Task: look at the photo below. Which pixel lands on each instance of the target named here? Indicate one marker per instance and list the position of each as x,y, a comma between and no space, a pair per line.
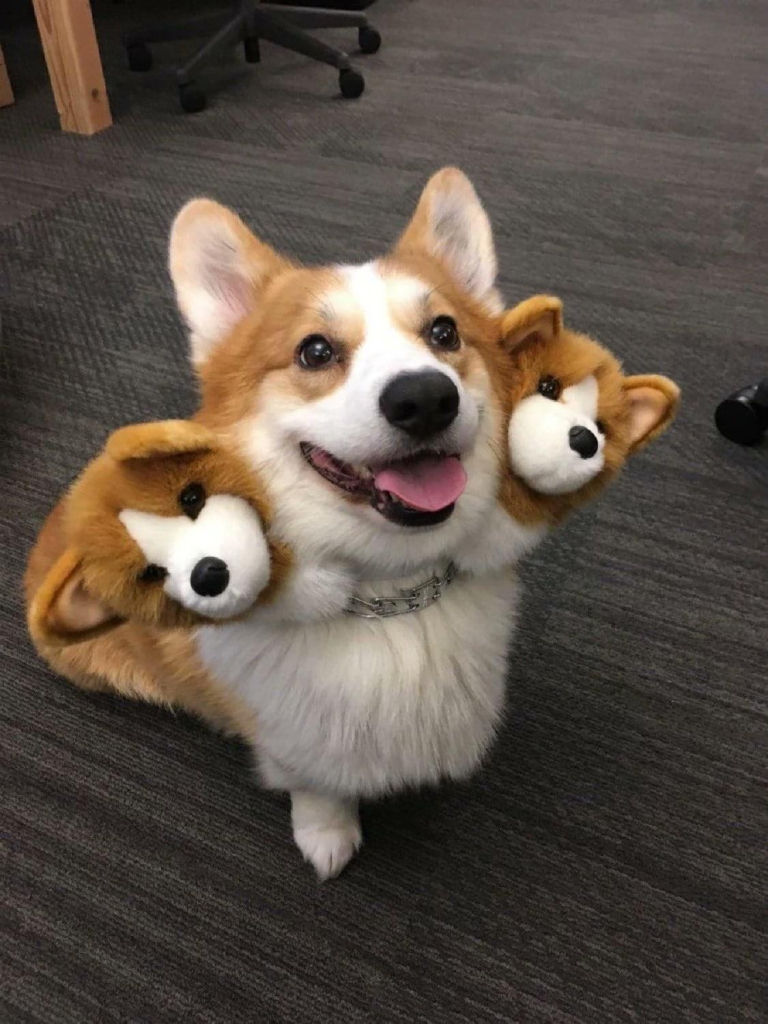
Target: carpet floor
609,863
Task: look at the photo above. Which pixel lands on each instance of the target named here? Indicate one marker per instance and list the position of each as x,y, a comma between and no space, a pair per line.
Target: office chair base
248,24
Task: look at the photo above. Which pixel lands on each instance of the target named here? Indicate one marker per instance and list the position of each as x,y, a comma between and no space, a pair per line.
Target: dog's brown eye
314,352
192,500
444,334
600,426
550,388
152,573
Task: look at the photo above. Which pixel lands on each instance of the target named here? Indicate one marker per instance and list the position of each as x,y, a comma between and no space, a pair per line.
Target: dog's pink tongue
426,484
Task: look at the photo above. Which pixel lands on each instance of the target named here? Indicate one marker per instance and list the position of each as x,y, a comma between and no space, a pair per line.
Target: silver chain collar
407,601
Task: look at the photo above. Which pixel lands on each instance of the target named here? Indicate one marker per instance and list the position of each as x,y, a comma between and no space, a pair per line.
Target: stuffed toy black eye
314,352
550,387
444,334
192,500
600,426
152,573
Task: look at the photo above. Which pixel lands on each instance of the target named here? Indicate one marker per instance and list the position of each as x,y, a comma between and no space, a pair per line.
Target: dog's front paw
326,831
329,850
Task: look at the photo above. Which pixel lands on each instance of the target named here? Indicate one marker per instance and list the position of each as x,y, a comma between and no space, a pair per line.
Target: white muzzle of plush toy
556,446
216,564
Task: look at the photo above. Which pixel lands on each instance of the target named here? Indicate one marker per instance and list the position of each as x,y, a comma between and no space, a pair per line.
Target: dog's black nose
421,404
210,577
583,441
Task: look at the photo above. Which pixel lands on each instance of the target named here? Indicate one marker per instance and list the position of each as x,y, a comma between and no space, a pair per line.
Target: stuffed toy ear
539,318
166,437
62,611
653,402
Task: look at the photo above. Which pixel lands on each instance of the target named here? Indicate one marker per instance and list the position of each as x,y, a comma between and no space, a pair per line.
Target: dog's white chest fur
360,707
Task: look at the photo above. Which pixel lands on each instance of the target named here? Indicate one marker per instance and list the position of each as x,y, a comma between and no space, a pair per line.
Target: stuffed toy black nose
582,441
210,577
421,404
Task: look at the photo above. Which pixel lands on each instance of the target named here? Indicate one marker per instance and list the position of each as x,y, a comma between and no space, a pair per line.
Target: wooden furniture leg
6,92
74,64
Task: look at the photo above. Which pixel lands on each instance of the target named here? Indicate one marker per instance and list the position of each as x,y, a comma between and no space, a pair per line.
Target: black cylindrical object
743,417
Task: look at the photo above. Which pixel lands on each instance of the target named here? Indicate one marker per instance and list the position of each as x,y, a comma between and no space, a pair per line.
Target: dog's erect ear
219,268
539,318
653,402
164,438
451,225
62,611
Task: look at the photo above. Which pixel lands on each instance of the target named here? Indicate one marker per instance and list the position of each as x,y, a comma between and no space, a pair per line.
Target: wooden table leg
74,64
6,92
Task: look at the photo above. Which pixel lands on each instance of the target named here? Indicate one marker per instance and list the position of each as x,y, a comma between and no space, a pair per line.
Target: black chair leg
318,17
233,32
275,30
251,41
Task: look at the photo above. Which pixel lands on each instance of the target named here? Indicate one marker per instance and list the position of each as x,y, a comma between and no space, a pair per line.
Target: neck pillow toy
572,420
574,417
165,528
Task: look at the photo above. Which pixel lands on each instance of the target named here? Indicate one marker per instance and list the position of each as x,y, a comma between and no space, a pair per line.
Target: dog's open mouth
419,491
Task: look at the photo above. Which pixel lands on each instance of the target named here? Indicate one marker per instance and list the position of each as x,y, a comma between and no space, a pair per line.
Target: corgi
362,397
371,400
573,419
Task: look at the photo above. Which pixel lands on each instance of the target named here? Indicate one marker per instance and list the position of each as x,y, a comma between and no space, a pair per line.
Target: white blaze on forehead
384,342
369,294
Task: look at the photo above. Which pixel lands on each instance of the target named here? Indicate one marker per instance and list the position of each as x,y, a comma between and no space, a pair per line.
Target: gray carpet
609,864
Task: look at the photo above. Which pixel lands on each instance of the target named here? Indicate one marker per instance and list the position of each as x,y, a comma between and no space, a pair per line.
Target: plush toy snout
556,446
216,564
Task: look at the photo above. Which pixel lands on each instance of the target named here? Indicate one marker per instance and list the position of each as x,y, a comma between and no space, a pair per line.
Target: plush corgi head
165,527
360,390
574,417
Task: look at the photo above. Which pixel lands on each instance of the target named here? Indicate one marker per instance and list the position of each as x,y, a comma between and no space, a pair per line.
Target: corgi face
362,388
164,527
574,417
382,399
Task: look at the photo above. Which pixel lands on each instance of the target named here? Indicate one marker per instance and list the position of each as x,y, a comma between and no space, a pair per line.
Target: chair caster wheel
139,57
252,51
192,98
351,83
368,39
